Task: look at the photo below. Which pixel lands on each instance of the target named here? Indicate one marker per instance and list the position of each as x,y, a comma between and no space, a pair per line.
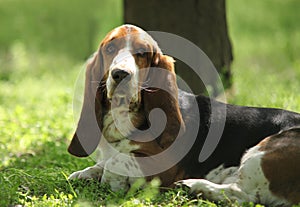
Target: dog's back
244,128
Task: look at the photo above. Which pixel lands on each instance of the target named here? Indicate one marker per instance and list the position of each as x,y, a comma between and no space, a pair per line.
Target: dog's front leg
93,172
120,172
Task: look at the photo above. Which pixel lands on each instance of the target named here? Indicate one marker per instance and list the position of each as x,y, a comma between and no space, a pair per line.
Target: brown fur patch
281,164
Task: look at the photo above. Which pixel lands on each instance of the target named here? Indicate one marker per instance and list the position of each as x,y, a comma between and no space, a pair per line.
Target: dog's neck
119,122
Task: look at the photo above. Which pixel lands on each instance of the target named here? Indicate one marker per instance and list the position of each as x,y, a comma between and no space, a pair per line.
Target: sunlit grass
266,66
37,76
35,102
58,26
36,120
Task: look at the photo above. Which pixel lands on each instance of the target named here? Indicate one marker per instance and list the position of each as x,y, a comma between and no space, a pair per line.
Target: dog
126,80
268,174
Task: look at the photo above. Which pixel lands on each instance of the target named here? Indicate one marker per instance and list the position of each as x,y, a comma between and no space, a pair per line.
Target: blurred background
45,37
44,44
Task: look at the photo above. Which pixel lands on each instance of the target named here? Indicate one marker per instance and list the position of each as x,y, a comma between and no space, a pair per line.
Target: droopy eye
110,48
141,52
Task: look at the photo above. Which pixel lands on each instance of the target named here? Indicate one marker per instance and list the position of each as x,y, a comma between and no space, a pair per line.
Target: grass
267,65
37,75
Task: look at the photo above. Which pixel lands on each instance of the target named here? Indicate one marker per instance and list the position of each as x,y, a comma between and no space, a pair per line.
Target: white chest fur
117,128
117,124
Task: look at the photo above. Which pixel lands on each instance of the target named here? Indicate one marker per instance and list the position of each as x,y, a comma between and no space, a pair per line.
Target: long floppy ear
164,97
87,135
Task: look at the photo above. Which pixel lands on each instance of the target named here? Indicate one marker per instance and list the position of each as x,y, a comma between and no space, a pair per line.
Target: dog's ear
163,94
87,135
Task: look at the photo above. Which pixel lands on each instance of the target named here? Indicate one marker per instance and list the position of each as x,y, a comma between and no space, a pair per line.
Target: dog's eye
110,49
141,52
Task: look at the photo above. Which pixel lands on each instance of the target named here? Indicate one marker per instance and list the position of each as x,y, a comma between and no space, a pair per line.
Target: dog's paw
196,186
188,182
94,172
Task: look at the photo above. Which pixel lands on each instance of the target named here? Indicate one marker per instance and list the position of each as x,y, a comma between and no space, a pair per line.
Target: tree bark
201,21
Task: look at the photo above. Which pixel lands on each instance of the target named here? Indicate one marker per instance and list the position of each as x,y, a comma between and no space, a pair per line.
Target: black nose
118,75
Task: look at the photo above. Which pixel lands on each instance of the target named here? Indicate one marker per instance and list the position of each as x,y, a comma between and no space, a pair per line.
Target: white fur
93,172
114,168
244,184
120,172
124,60
117,124
222,175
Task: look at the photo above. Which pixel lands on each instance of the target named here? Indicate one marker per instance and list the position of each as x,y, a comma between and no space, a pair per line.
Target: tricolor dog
120,95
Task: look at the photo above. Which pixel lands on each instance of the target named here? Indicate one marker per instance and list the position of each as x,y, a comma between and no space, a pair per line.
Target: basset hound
128,79
268,174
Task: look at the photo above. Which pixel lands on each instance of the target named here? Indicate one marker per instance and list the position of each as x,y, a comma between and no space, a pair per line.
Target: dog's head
121,74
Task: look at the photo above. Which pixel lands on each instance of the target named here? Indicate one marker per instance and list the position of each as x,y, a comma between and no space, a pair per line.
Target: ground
39,67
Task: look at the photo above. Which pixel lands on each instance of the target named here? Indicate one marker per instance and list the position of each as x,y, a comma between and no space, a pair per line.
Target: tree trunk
203,22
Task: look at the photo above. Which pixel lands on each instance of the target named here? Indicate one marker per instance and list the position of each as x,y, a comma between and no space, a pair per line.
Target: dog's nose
118,75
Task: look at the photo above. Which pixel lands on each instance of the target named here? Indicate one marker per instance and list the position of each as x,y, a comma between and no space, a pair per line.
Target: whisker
144,82
102,83
149,89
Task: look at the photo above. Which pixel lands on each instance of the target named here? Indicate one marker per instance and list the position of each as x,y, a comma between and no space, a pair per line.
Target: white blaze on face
124,60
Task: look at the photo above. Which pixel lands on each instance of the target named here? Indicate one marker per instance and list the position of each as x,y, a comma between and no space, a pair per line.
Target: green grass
58,26
265,38
43,47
